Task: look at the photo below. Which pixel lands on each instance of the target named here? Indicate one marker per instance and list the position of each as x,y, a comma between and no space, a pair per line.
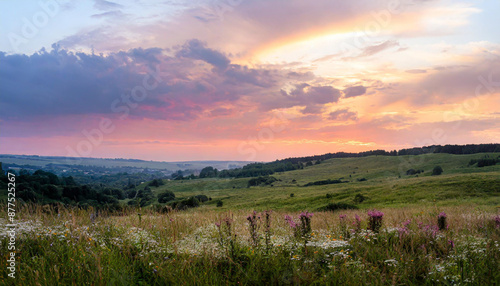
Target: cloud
195,81
343,115
195,49
375,49
354,91
416,71
104,5
302,94
115,13
220,111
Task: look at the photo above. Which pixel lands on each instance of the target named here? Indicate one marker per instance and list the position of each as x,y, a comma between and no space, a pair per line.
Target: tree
166,196
156,183
437,171
208,172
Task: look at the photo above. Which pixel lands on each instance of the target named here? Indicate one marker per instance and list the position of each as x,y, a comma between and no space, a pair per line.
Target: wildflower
342,216
451,243
497,221
442,221
290,221
406,223
375,220
357,223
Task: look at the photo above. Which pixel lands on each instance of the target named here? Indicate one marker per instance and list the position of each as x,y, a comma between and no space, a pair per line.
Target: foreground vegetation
205,247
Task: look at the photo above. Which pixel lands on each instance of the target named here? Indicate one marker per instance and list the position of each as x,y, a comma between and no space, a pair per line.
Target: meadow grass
386,185
214,247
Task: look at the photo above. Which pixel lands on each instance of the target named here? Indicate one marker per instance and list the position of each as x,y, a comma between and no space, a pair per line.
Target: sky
253,80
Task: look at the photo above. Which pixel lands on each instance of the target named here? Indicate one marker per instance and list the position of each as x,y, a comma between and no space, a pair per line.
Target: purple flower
450,242
402,231
497,221
442,214
217,224
375,220
375,214
406,223
290,221
357,218
306,214
342,216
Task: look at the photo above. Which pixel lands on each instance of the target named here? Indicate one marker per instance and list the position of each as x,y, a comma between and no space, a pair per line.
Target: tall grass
76,247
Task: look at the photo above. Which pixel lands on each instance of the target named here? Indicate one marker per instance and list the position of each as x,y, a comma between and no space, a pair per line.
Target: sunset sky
246,80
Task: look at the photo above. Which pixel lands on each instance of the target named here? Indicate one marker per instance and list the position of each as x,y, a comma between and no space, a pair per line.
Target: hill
381,180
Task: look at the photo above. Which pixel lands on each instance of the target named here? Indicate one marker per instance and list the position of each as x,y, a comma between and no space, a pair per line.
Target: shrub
166,196
201,198
219,203
265,180
292,195
413,172
190,202
437,171
323,182
359,198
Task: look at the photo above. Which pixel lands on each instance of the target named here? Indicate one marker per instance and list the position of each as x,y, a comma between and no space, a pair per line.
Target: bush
484,162
201,198
219,203
338,206
190,202
323,182
131,194
413,172
265,180
292,195
437,171
165,197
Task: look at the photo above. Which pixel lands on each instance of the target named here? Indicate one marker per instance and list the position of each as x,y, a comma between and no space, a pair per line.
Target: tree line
295,163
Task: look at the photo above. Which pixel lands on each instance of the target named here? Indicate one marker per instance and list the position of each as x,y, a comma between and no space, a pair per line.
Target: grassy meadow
225,248
386,185
428,230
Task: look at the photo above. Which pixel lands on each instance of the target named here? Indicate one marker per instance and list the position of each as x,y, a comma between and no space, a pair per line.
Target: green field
386,185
